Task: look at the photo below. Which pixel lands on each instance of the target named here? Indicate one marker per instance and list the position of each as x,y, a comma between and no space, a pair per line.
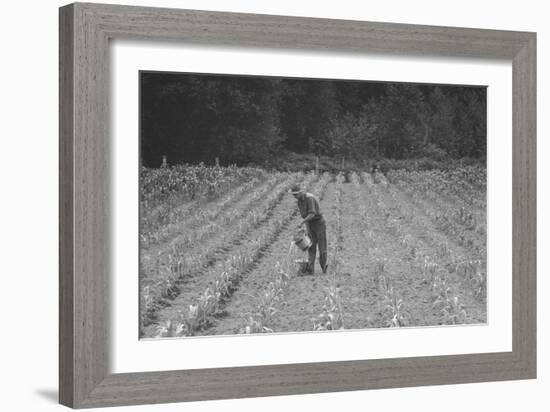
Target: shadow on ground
51,395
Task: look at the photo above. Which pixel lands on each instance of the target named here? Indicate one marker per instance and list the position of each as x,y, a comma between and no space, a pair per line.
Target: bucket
302,240
302,265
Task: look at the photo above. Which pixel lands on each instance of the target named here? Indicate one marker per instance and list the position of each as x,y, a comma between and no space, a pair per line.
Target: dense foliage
192,118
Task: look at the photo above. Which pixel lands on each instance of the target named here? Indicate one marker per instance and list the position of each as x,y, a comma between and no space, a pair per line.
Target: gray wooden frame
85,30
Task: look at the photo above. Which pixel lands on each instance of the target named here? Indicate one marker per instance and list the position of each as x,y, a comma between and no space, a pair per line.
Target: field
406,248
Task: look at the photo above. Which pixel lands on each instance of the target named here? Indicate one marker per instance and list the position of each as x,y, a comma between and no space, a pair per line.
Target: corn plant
170,329
443,251
440,288
394,307
266,305
338,211
207,304
146,299
255,325
473,272
332,317
466,218
455,312
452,310
407,243
379,270
273,294
479,283
191,320
429,271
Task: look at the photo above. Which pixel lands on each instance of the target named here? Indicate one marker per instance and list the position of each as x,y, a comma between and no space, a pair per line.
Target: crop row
187,182
166,220
392,307
258,320
467,227
332,315
209,221
197,316
181,263
434,275
454,186
265,307
184,189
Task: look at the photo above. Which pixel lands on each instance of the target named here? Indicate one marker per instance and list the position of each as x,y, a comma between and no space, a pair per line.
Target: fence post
316,165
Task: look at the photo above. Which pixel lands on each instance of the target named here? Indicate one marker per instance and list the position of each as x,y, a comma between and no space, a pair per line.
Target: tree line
250,119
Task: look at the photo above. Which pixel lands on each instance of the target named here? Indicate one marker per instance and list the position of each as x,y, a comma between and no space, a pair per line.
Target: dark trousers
318,233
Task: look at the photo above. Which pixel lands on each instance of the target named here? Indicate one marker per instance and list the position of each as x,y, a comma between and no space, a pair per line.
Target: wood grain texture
524,204
85,31
66,229
238,29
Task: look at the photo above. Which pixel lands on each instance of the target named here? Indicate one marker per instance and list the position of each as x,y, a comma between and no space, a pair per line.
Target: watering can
302,240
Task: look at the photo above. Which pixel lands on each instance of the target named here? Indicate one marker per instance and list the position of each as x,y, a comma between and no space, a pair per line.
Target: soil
381,225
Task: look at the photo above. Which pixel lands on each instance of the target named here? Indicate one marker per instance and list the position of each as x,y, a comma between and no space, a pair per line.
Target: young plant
453,311
379,270
171,329
429,271
473,272
394,308
255,325
332,317
451,308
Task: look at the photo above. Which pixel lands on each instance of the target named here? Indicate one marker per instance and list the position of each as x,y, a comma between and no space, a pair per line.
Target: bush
305,162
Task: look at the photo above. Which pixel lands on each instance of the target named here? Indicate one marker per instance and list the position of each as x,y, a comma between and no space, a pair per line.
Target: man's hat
295,189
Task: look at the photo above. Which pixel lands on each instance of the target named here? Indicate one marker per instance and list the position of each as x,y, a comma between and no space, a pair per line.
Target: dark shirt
310,204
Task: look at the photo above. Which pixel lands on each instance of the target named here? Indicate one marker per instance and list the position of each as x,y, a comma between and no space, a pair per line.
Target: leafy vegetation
259,120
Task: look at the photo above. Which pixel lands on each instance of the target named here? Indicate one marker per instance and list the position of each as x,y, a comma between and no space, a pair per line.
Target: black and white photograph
273,205
276,206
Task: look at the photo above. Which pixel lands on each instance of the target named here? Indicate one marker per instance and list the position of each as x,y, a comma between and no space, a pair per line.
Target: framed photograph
256,205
